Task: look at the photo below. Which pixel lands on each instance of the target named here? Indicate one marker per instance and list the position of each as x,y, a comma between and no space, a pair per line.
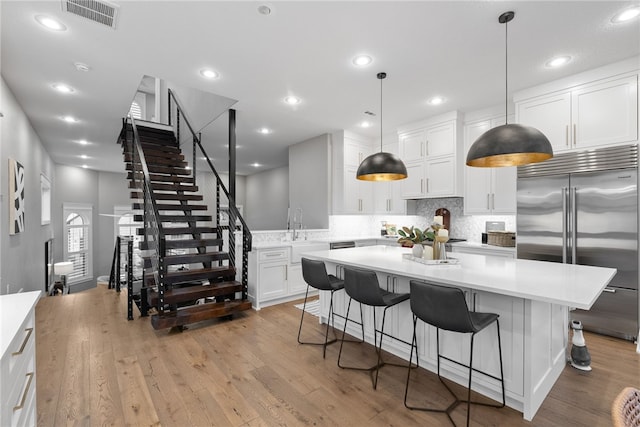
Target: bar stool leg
326,334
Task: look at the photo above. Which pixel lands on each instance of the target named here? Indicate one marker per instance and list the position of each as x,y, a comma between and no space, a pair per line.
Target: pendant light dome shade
381,166
509,145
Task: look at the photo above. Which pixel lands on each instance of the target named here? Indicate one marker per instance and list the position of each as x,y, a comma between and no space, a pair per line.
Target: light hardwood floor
96,368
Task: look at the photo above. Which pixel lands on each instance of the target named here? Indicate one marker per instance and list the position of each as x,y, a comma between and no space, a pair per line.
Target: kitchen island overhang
532,297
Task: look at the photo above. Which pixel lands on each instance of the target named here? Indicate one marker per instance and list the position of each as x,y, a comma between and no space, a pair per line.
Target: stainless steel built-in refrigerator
582,208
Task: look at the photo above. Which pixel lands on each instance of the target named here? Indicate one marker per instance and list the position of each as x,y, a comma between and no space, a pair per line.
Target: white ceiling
447,48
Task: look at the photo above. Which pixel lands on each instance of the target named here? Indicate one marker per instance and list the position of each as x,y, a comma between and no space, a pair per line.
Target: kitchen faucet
297,219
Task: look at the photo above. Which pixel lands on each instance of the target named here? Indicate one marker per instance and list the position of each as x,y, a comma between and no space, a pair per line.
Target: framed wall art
16,197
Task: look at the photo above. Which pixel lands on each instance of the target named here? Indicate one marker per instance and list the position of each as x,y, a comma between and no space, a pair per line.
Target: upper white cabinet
431,151
487,190
387,196
593,109
350,195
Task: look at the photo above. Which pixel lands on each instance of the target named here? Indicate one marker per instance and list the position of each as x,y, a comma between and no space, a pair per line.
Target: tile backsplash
468,227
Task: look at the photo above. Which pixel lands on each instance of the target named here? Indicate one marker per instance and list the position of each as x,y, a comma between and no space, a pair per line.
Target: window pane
79,266
74,219
76,239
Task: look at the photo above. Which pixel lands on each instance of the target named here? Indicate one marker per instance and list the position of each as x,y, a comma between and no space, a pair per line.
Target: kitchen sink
299,247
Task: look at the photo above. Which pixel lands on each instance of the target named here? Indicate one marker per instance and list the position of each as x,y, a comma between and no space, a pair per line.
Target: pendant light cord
506,74
381,114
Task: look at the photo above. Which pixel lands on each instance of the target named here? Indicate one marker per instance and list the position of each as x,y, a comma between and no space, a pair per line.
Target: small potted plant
410,237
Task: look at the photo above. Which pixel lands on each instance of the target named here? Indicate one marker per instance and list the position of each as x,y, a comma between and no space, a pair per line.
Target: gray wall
102,190
113,189
267,199
22,255
309,179
75,185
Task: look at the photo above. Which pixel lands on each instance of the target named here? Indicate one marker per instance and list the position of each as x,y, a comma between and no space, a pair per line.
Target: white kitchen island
531,297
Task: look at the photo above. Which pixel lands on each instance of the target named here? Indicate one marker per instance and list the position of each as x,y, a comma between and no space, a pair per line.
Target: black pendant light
381,166
509,144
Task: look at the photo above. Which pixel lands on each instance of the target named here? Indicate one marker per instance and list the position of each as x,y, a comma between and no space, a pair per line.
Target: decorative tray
448,261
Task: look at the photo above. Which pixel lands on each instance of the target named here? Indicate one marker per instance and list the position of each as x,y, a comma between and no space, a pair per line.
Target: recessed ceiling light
84,166
263,9
626,14
209,73
362,60
50,23
83,142
365,124
265,131
81,67
256,165
292,100
84,156
558,61
69,119
436,100
63,88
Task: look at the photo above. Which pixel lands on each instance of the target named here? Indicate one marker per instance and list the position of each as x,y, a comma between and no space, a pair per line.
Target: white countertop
13,310
565,284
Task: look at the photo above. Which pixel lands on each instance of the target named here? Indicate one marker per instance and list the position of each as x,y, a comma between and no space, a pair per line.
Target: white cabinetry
487,190
350,195
387,194
275,273
18,362
599,112
431,151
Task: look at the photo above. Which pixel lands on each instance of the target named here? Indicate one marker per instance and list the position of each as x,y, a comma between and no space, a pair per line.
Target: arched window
78,245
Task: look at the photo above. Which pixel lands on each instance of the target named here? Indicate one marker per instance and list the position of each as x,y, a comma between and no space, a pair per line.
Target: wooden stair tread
169,196
197,313
182,276
162,169
183,230
192,243
172,207
192,293
153,177
153,153
194,258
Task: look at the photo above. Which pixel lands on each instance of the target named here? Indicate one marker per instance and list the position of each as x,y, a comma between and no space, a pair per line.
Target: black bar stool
315,274
363,286
446,308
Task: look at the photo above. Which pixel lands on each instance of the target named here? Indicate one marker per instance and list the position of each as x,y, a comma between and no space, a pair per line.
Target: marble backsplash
468,227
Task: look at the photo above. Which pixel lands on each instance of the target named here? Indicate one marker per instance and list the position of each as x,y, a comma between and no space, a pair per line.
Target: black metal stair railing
154,238
234,214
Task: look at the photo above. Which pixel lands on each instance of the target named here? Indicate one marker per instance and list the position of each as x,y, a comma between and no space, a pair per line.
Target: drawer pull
24,343
25,394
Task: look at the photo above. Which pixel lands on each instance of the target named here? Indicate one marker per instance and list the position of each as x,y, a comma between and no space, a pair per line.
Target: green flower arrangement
414,236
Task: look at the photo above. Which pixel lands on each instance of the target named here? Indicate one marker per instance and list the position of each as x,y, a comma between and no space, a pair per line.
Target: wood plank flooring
96,368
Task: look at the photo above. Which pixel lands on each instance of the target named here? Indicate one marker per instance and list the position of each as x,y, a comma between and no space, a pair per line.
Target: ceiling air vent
102,12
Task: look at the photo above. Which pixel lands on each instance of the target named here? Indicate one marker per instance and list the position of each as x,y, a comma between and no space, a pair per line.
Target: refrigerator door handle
574,227
564,224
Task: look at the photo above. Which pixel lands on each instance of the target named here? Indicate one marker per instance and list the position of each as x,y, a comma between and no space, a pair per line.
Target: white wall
267,199
22,255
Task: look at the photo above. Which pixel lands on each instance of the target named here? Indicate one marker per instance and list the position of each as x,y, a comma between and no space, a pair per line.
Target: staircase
187,275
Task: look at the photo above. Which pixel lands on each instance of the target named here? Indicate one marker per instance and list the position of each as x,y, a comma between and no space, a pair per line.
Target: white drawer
21,399
21,348
274,254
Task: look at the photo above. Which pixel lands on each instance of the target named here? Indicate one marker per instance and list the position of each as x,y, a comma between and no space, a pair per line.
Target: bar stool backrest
441,306
315,274
363,286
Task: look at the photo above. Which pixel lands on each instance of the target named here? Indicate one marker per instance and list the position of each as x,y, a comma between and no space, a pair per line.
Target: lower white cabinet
18,363
273,278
